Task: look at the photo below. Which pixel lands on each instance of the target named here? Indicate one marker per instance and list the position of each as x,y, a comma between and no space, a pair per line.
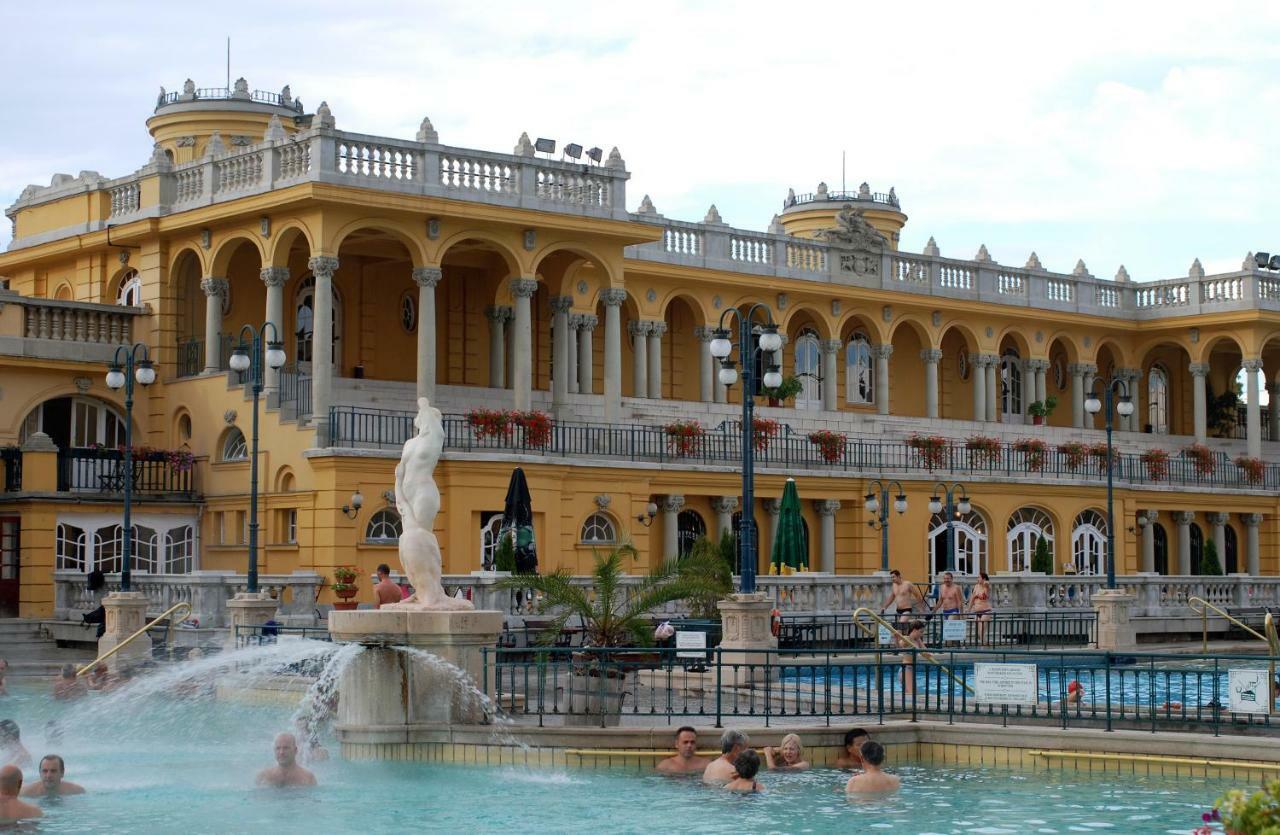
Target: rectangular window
292,527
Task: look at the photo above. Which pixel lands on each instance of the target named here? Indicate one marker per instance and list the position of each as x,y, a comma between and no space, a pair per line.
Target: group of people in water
736,768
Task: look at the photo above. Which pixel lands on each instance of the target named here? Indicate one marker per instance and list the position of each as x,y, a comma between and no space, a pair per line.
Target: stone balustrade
206,591
64,330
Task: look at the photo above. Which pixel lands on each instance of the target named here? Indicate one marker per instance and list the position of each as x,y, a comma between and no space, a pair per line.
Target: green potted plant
344,588
1041,409
1209,564
1041,562
787,389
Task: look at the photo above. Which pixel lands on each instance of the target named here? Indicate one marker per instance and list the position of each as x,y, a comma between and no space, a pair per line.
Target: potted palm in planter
1041,409
612,617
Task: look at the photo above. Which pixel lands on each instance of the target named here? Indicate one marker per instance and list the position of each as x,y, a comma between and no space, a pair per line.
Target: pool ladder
925,654
184,608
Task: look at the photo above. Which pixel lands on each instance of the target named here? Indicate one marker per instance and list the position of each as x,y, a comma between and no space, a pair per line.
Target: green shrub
1209,564
1041,560
504,559
729,551
705,565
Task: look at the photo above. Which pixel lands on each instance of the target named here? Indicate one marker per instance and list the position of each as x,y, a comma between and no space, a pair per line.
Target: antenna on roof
842,188
228,62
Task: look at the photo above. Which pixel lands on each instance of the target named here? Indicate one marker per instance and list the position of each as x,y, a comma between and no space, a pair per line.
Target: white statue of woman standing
418,502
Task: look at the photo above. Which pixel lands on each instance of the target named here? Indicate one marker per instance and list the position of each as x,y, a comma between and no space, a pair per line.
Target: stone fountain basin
406,627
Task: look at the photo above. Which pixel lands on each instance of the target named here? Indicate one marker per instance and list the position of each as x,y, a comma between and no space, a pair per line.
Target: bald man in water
286,772
11,808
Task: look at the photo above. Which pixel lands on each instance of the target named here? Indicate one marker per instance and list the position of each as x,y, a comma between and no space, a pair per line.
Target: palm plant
612,614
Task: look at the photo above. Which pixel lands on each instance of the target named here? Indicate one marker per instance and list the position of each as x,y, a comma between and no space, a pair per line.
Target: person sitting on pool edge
11,808
789,756
851,756
745,767
286,771
686,759
872,779
721,770
52,769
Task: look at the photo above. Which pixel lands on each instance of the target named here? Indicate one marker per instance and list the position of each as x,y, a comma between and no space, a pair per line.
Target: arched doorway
1158,400
970,545
1230,559
75,422
1161,548
1089,543
304,323
808,368
1027,526
1197,546
1011,401
690,527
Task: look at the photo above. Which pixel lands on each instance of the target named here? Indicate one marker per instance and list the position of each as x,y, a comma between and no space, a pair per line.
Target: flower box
1073,454
1202,459
1252,468
763,431
983,450
831,445
497,424
1034,451
1098,452
536,426
1157,463
685,437
932,449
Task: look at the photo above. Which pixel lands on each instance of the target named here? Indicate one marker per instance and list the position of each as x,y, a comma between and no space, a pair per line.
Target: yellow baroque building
399,268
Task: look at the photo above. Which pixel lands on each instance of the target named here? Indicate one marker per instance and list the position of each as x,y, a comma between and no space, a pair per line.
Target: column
322,267
656,330
427,278
497,316
1184,520
1077,394
1130,377
1219,522
774,508
671,507
1273,411
214,291
827,516
1149,541
613,298
1253,408
575,321
1252,561
830,352
586,330
707,364
1042,389
274,278
931,357
1199,370
560,353
993,390
522,290
639,357
978,375
724,506
882,354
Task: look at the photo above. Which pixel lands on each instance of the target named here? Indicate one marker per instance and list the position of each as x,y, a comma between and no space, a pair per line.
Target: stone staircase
31,650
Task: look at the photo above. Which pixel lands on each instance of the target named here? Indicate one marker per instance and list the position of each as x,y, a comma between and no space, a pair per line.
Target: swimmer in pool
745,768
873,779
286,772
851,756
11,808
789,756
686,759
52,769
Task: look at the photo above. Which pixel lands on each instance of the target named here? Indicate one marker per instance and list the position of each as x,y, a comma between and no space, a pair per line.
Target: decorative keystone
983,256
215,145
646,207
615,160
427,132
931,247
1033,263
713,216
275,130
324,116
524,147
1081,270
1122,275
1196,271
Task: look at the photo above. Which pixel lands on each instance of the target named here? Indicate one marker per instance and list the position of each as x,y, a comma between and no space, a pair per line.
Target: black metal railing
270,633
259,96
190,357
12,458
1137,691
354,426
295,392
104,471
888,198
993,631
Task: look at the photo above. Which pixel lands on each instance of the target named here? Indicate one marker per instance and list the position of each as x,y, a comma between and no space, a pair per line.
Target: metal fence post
719,665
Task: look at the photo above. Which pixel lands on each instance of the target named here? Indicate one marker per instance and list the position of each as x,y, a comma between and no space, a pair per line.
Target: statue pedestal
1115,630
746,636
384,691
248,609
126,614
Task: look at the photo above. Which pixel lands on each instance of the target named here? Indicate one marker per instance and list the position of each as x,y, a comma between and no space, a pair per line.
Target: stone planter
595,698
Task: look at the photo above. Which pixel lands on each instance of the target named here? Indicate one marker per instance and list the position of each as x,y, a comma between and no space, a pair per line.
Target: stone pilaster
613,299
882,354
1253,407
560,306
1199,371
639,331
522,290
826,509
830,372
1252,554
427,278
1184,520
274,278
671,507
586,328
215,290
322,268
656,330
706,364
930,357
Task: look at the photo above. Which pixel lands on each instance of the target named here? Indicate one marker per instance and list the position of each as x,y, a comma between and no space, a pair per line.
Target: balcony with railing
103,471
54,329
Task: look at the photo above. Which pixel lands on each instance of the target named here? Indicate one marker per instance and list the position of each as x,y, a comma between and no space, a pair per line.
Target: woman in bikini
980,605
913,639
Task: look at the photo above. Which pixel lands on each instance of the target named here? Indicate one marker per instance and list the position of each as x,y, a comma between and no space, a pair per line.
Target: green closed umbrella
789,553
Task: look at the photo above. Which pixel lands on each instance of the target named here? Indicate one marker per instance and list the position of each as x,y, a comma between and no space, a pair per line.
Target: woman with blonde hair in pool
789,756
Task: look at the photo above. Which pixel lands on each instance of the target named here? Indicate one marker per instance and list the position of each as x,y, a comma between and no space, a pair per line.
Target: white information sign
696,642
1004,684
955,630
1247,691
886,636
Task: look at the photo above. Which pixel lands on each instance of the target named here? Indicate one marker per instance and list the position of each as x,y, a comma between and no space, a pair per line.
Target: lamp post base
248,609
747,636
126,614
1115,629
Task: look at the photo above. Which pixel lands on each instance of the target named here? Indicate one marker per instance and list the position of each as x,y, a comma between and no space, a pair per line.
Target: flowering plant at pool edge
1212,816
1242,813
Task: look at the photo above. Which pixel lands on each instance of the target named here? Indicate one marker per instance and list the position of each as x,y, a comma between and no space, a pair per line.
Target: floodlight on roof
573,150
1261,259
595,154
545,146
1274,263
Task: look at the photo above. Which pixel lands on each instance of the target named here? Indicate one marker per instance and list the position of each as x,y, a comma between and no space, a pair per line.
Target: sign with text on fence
885,636
1004,684
1248,691
955,630
691,644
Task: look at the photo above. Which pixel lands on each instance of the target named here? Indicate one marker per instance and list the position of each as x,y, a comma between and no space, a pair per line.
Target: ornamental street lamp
751,347
121,373
1124,408
249,356
877,504
953,507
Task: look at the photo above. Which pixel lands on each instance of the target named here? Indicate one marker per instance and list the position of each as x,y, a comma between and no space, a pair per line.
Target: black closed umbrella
517,522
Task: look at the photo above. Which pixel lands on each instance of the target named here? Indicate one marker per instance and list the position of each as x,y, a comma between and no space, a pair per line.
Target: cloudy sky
1134,133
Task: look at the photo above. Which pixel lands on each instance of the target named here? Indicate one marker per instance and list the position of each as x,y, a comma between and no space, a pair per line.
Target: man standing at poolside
286,772
950,596
904,596
686,760
722,769
51,784
872,779
11,808
385,591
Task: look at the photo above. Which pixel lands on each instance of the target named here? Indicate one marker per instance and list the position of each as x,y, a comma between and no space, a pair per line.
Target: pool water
162,763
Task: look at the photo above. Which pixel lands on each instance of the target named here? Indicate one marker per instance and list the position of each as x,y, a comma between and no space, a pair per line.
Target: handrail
1153,758
1203,611
925,654
95,662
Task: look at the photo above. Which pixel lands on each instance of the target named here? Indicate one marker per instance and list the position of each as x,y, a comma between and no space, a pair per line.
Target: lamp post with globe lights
945,499
751,346
250,356
877,504
1093,404
130,363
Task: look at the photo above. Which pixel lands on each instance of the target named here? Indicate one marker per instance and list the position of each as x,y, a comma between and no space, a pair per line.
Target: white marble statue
418,502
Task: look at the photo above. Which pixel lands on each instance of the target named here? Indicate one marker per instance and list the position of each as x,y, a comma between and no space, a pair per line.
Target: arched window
75,422
233,446
859,370
690,527
384,526
490,524
1011,386
408,312
108,549
970,543
1027,526
129,293
598,529
1231,559
1158,400
180,550
70,547
1197,547
1089,543
304,321
808,369
184,429
1161,548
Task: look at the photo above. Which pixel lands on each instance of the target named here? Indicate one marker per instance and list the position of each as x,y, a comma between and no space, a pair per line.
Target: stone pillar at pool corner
126,613
746,637
1115,628
248,609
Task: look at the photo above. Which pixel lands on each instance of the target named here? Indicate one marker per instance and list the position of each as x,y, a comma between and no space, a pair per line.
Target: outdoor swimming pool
160,763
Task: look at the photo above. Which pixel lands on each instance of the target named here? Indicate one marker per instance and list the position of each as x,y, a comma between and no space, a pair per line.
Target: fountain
417,652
